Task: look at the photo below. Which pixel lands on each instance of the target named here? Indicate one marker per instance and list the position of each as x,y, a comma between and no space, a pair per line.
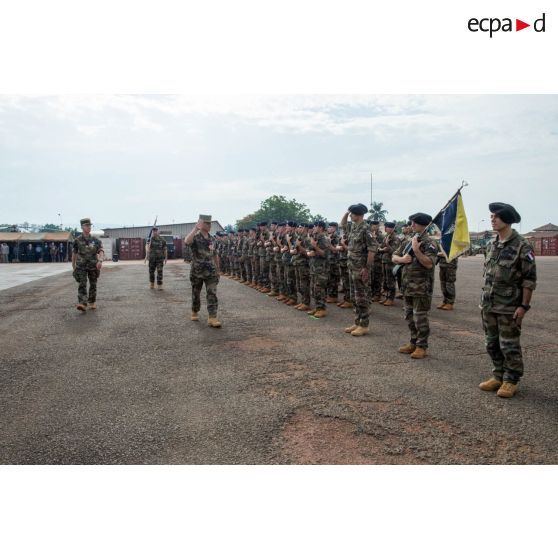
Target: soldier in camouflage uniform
404,239
289,278
388,246
510,276
87,260
264,262
342,249
419,261
333,263
361,250
270,259
376,273
204,269
320,247
300,262
448,276
156,254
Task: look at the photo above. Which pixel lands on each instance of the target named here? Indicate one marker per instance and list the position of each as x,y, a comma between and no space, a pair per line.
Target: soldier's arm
372,247
190,237
427,258
343,222
74,254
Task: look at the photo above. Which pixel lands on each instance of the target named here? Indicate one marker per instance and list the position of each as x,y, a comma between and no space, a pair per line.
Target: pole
371,198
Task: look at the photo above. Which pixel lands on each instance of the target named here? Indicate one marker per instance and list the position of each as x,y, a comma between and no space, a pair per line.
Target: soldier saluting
87,259
510,277
204,269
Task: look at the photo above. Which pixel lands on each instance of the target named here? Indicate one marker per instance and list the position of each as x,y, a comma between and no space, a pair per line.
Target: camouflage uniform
301,266
390,244
360,243
86,248
509,268
417,284
319,270
203,270
344,273
448,276
157,255
264,262
289,278
334,271
376,273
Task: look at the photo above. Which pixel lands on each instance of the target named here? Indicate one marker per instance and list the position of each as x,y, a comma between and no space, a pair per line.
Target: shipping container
178,242
131,248
109,247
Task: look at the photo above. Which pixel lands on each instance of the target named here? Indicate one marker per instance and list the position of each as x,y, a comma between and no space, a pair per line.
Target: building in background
544,240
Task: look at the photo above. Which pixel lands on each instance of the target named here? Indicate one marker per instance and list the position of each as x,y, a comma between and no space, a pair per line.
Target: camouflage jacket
87,249
203,252
157,248
333,255
379,238
390,243
416,280
509,267
360,242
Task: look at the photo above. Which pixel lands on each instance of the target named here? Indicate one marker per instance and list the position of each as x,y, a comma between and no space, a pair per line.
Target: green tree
377,212
49,227
277,208
229,228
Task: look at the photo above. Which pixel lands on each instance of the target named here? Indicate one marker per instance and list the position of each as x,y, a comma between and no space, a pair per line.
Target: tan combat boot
195,317
419,352
272,293
81,307
160,287
311,312
441,306
407,349
320,313
151,285
291,302
388,302
350,329
212,321
376,298
360,331
490,385
92,306
507,390
280,298
448,306
331,300
303,307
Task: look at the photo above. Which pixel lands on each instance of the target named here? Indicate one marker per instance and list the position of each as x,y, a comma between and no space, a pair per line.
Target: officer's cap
505,211
205,218
389,225
421,218
85,221
333,224
358,209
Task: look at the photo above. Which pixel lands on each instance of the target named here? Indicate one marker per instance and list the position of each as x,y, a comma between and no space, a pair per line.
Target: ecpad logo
493,25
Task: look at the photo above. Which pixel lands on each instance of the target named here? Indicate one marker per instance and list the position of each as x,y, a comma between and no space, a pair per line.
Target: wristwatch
525,307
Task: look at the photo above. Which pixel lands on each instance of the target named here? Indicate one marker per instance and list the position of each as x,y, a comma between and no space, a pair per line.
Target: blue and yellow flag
452,222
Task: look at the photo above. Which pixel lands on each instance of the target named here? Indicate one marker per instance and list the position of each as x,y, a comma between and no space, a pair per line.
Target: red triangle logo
519,25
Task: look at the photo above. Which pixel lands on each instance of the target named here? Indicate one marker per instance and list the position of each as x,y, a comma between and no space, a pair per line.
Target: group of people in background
38,252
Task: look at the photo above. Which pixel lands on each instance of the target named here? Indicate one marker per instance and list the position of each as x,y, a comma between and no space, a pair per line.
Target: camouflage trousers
320,278
302,277
333,279
255,269
388,283
156,264
289,281
448,275
81,276
502,345
376,279
274,275
416,315
248,269
225,268
398,278
345,281
211,282
361,304
264,272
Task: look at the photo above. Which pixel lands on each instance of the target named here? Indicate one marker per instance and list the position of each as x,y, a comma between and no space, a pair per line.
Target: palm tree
377,213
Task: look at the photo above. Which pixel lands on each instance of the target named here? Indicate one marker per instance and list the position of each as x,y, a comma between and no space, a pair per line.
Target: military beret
274,222
506,212
205,218
333,224
373,222
358,209
281,224
262,224
409,223
305,225
292,224
85,221
253,229
389,225
310,226
421,218
154,228
320,224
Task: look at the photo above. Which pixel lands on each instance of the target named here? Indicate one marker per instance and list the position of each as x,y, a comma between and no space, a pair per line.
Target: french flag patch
531,256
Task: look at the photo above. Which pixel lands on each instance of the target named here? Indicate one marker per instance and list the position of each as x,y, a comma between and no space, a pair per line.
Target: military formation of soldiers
304,265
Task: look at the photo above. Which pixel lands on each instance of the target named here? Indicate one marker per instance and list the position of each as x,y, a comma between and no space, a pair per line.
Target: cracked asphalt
136,382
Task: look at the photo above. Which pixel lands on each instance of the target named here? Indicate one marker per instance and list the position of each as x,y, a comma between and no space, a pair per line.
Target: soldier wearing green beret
510,277
87,259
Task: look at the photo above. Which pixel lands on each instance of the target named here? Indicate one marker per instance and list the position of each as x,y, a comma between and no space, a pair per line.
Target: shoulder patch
530,256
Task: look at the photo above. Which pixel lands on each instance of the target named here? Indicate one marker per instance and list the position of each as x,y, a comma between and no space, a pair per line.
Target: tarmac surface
136,382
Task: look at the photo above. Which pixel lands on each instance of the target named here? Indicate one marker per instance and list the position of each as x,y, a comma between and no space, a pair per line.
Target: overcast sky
121,160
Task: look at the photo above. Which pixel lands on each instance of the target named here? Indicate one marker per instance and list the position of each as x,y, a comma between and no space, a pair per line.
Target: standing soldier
342,249
204,269
417,279
319,250
156,254
361,250
404,238
387,248
376,271
448,275
87,259
510,277
333,261
302,267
